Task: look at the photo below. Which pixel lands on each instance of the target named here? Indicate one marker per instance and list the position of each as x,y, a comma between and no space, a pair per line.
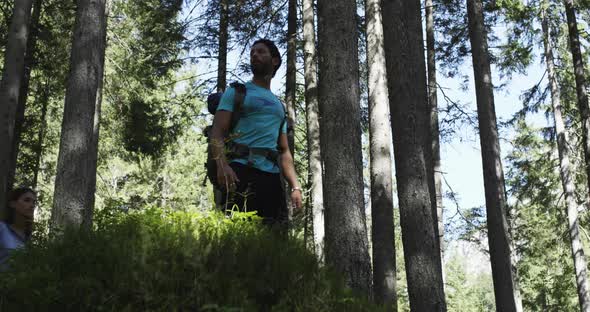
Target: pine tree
12,76
507,296
410,116
291,83
24,89
313,128
581,92
434,127
223,40
383,236
346,232
75,183
566,177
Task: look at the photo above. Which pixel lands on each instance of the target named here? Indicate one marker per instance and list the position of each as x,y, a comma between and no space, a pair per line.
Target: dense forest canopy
442,146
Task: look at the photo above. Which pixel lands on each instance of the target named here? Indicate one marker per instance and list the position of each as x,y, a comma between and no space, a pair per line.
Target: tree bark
566,177
75,181
222,71
12,76
383,235
24,89
313,129
223,38
291,84
434,128
581,81
410,116
40,136
291,87
505,290
346,231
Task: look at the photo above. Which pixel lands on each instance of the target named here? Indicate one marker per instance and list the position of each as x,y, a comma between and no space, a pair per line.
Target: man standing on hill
258,143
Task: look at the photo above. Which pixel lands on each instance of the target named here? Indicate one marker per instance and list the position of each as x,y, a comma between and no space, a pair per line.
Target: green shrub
158,260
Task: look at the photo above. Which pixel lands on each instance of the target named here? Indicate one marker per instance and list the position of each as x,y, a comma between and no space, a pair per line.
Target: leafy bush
159,260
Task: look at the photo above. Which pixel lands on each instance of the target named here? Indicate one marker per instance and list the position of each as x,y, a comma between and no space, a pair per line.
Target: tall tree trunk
75,181
24,89
222,71
383,236
434,129
291,84
313,129
581,81
346,231
566,178
44,102
291,87
410,123
505,289
223,38
12,76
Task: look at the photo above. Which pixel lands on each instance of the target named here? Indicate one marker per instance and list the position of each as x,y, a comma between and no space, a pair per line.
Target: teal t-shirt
258,126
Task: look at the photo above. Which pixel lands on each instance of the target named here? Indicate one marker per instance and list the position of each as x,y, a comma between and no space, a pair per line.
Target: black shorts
258,191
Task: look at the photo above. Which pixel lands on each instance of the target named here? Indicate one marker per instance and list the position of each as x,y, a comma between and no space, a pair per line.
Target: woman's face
25,205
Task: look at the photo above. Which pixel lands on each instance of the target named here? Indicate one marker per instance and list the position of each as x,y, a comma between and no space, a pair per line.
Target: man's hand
226,177
297,198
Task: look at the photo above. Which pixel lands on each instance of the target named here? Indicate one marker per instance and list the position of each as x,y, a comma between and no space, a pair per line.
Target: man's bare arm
288,169
221,123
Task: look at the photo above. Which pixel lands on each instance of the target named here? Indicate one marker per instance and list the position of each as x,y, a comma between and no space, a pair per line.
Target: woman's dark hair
274,52
14,195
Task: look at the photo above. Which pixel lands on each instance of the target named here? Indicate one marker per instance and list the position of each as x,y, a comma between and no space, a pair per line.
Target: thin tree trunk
346,231
223,38
291,87
24,89
434,128
40,136
406,76
581,81
566,178
75,181
222,71
383,235
291,84
505,289
12,76
313,129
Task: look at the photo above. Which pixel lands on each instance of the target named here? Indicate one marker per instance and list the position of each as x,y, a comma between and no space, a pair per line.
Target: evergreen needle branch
194,7
252,33
456,201
456,106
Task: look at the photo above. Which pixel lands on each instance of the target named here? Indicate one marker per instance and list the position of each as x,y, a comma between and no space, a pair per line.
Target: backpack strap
239,97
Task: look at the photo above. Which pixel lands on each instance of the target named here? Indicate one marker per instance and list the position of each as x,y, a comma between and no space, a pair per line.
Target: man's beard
261,70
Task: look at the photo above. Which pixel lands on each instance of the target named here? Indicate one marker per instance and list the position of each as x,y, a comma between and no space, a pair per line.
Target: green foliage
146,129
5,16
452,33
151,150
39,140
159,260
143,55
545,268
173,180
154,38
468,291
247,20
